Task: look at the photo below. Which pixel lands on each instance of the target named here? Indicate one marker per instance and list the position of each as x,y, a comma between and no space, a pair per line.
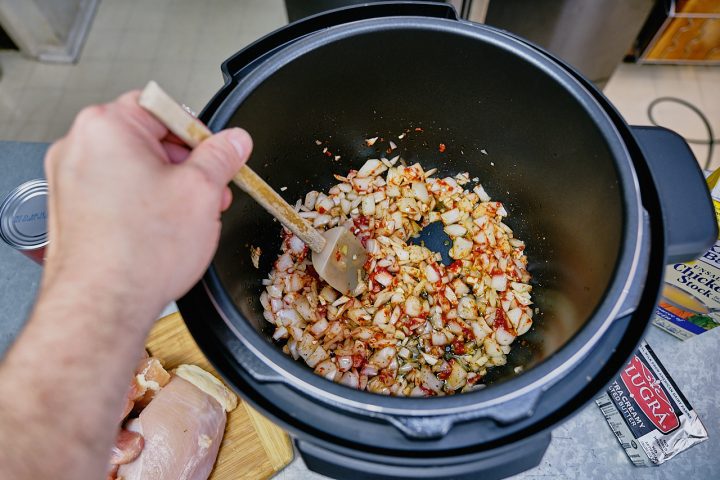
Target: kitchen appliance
600,205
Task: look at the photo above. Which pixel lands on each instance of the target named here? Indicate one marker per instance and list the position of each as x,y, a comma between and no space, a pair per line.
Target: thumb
222,155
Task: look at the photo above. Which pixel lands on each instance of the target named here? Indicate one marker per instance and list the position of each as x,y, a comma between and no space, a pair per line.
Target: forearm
68,374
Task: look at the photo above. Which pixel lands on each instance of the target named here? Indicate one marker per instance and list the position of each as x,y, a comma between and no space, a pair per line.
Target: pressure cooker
602,207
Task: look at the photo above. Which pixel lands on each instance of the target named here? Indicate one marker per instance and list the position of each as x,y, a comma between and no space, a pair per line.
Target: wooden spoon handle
192,131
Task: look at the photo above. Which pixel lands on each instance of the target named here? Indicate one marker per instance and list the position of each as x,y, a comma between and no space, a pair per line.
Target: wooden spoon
337,255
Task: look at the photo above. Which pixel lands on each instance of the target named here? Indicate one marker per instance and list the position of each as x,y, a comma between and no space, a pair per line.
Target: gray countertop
583,447
19,276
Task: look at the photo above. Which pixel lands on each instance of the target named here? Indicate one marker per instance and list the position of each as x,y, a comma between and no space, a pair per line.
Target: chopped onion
383,357
460,287
461,248
514,316
491,347
503,337
407,205
362,184
316,357
455,230
412,306
450,295
284,263
369,370
371,168
288,317
344,362
326,369
481,193
431,274
303,307
296,245
280,332
457,377
420,191
499,282
381,317
429,380
383,278
439,338
466,307
293,283
306,346
319,327
329,294
524,324
350,379
368,205
451,216
430,359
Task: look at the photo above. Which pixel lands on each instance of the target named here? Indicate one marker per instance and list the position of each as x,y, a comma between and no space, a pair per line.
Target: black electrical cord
711,140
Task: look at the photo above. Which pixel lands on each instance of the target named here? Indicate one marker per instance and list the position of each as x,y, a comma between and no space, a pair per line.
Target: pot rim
542,375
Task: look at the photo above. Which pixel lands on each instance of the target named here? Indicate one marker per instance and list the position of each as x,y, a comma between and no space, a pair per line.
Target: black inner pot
527,132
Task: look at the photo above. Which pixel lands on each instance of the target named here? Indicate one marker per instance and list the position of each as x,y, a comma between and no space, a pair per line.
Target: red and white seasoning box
23,219
650,416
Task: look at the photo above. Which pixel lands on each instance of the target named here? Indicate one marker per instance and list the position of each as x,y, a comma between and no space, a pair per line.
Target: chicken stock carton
690,302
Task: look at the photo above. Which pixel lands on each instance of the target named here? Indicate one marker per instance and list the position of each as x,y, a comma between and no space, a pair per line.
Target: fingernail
236,137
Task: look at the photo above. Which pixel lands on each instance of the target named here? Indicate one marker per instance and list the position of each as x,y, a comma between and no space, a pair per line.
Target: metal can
23,219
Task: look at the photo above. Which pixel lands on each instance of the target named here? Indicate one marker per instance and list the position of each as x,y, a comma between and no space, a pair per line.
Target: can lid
23,216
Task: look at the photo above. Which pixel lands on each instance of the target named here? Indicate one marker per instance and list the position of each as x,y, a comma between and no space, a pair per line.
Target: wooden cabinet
682,31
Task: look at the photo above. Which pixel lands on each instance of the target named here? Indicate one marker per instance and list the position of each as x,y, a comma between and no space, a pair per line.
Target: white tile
48,75
71,103
681,119
57,129
204,81
9,103
180,43
101,45
138,45
112,14
186,17
147,17
217,49
631,80
5,130
173,76
709,80
16,69
89,76
175,45
30,132
128,75
38,104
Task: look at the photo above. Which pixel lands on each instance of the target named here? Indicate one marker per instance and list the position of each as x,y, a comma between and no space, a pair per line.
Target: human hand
132,212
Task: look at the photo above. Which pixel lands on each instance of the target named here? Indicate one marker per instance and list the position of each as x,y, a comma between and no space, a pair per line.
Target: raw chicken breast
150,377
128,445
182,427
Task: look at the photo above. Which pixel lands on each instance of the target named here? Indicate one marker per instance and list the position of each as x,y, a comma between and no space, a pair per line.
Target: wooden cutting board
253,447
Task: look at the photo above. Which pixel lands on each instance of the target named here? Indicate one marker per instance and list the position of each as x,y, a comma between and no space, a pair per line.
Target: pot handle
495,464
253,53
688,213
